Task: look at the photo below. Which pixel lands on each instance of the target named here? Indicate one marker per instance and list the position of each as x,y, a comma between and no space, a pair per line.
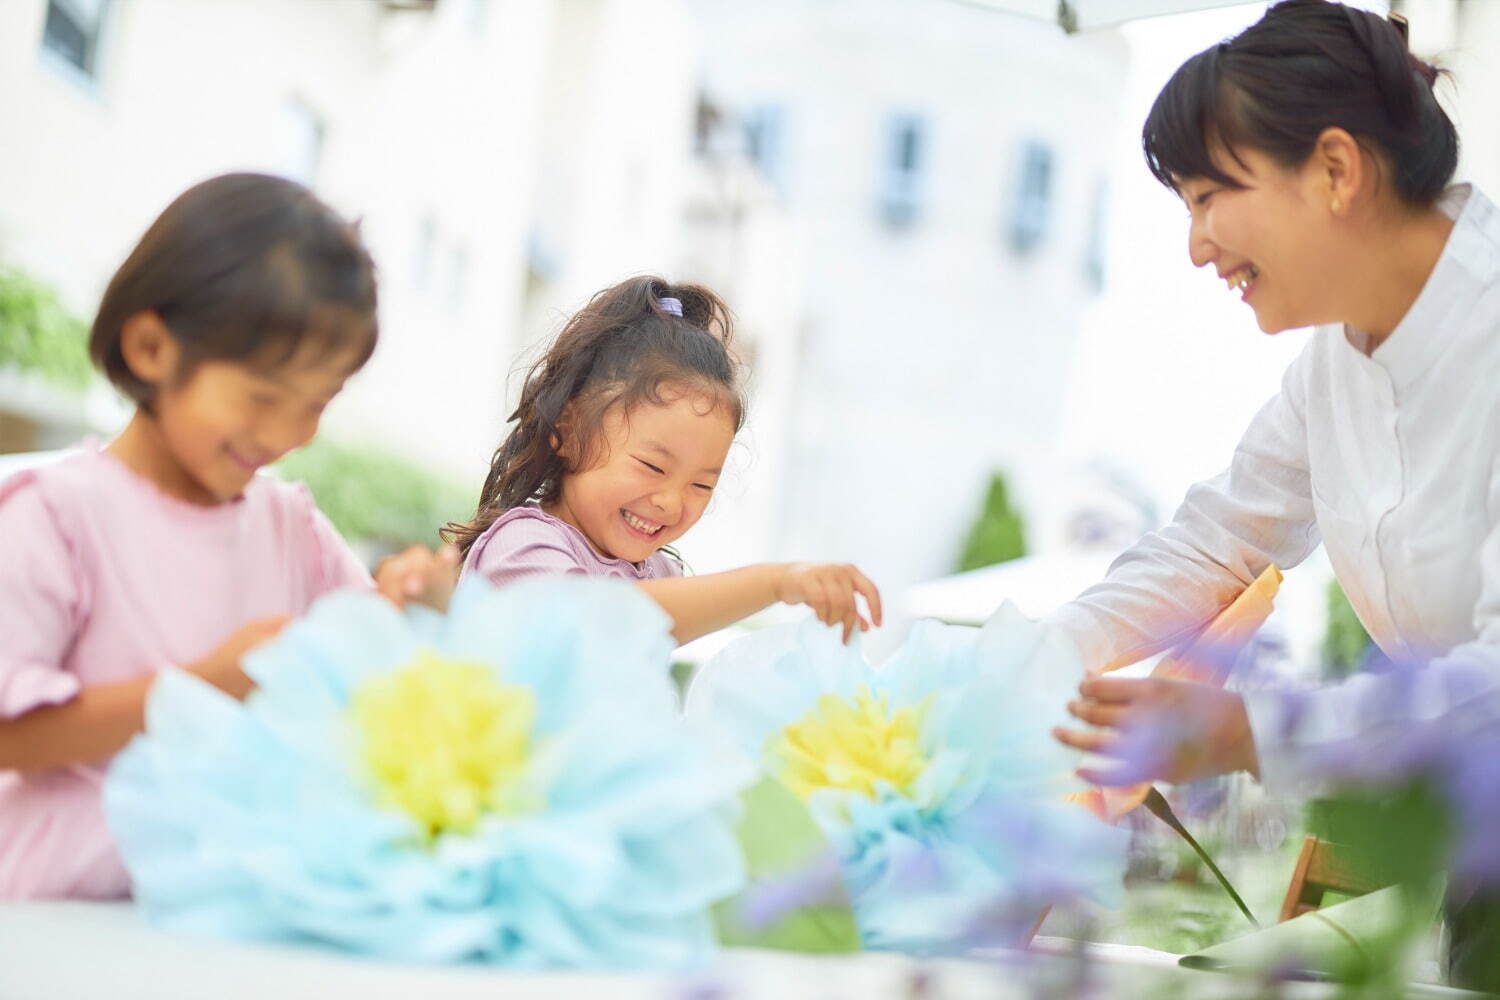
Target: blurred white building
941,165
505,160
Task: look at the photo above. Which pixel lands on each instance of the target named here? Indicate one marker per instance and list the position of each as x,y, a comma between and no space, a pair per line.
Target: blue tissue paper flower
511,783
934,775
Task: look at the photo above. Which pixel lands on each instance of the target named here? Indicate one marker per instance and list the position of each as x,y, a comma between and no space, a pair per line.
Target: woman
1315,162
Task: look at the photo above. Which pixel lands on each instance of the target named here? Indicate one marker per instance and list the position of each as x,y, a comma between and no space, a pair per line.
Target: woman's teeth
1242,277
648,527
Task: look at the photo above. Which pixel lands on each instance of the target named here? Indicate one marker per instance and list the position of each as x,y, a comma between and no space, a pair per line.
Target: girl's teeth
640,525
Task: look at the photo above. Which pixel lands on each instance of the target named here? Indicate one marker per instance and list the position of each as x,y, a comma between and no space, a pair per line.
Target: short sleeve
520,547
665,564
332,563
43,601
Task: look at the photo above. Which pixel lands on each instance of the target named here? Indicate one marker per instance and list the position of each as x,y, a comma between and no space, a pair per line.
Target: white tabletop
91,951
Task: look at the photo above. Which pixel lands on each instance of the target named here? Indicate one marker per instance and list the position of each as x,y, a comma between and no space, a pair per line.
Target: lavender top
527,540
104,578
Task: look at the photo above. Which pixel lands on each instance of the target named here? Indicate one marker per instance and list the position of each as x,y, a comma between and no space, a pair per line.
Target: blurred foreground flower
934,776
1433,779
511,783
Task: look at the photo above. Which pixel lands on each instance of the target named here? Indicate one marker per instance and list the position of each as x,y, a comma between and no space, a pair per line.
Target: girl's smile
650,476
641,526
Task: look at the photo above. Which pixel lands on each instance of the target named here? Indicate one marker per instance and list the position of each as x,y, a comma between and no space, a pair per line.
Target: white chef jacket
1390,459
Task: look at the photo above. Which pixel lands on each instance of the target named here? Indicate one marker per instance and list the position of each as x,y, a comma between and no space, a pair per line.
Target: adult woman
1315,163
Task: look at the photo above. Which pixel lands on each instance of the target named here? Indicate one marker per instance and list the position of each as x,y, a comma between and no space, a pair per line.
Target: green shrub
375,497
39,334
999,534
1346,643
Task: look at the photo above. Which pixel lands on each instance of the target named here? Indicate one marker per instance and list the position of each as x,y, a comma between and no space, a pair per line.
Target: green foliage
999,534
375,497
782,844
1346,642
37,333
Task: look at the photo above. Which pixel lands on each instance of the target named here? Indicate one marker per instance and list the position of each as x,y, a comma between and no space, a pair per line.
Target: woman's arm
1290,738
1174,581
699,605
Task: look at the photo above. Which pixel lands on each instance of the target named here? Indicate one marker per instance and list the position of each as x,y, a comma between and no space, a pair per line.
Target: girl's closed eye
653,468
705,487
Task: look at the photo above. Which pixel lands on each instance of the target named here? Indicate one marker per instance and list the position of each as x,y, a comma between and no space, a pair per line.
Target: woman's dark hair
244,267
625,348
1306,66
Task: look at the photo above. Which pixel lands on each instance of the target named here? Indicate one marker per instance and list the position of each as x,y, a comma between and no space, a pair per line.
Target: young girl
622,430
231,325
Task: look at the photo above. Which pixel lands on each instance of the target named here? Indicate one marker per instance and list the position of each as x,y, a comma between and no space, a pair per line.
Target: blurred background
980,362
971,329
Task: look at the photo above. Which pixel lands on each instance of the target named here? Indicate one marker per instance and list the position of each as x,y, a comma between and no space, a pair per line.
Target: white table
104,951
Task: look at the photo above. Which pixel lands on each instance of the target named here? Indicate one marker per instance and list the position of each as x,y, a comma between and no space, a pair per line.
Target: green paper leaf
782,844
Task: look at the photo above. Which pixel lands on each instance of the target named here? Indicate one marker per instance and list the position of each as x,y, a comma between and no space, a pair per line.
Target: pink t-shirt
527,540
104,578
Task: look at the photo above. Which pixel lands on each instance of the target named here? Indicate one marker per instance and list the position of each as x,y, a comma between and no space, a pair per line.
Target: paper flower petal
934,775
264,820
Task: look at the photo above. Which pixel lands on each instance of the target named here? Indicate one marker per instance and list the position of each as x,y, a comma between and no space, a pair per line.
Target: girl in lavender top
622,430
231,326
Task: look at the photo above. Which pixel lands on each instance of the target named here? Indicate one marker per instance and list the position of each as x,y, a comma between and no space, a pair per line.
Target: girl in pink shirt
621,433
231,325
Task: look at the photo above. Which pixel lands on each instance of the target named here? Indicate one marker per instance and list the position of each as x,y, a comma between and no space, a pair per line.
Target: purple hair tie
670,305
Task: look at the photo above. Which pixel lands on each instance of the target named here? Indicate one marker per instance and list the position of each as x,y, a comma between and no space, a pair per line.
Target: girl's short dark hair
624,348
245,267
1306,66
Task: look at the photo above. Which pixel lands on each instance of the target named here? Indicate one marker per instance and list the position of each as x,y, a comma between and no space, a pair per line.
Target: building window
476,16
300,138
901,180
1032,206
425,250
71,33
765,142
1094,266
458,278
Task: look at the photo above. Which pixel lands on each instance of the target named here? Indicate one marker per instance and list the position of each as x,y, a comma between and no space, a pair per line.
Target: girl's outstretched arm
699,605
101,718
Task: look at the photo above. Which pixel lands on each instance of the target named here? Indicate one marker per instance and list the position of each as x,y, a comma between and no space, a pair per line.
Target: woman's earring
1336,206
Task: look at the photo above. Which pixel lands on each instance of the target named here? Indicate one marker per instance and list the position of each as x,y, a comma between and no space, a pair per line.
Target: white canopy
1081,15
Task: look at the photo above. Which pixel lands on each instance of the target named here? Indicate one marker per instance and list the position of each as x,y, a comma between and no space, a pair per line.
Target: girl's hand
419,574
1160,728
221,668
829,589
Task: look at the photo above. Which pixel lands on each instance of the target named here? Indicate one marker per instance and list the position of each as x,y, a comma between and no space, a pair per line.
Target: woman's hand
221,668
829,589
419,574
1160,728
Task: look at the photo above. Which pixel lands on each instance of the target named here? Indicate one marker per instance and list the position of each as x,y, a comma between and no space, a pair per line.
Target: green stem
1162,811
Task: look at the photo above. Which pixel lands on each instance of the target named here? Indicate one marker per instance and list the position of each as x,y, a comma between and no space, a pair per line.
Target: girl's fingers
863,585
852,624
815,597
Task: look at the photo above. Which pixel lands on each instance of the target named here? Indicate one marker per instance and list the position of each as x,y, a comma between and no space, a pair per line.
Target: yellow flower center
851,744
445,741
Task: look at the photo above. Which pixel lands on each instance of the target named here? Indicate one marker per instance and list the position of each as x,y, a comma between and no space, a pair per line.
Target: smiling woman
1296,144
1315,163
